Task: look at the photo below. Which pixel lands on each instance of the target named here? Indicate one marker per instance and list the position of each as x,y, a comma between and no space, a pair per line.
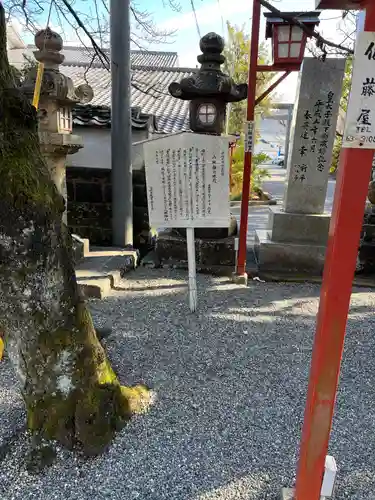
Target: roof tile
152,72
83,56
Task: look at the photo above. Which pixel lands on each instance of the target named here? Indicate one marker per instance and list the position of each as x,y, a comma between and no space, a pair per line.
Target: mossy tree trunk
70,390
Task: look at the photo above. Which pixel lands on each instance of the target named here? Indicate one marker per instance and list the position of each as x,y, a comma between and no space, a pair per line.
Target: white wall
96,152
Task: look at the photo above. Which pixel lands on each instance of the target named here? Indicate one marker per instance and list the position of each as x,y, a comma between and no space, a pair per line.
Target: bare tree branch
102,55
91,28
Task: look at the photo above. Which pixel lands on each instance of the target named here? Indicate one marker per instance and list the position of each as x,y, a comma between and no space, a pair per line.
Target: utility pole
121,134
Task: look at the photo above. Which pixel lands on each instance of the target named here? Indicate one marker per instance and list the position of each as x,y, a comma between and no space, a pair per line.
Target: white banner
249,137
360,117
187,179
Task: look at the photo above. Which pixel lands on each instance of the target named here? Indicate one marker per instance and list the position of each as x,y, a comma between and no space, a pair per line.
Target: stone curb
361,282
235,204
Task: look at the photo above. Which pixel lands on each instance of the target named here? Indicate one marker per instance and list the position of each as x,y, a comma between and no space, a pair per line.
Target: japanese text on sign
249,136
187,179
360,117
314,139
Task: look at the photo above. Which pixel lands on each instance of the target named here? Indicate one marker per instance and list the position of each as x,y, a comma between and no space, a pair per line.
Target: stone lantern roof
209,81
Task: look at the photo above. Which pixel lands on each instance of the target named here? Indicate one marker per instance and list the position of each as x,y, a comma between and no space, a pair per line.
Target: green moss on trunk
98,405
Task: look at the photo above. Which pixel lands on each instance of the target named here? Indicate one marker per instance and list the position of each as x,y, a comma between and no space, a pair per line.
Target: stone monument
57,98
296,237
209,91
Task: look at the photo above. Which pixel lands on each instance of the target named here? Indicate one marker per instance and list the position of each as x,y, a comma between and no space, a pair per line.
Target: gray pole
287,135
121,134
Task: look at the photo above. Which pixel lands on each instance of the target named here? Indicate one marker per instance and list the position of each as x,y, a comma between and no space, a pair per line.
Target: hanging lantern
288,40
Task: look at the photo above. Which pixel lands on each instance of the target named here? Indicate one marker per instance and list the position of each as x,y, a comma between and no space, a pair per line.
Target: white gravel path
231,383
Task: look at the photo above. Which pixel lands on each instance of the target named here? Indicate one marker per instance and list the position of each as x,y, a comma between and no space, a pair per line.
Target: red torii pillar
344,234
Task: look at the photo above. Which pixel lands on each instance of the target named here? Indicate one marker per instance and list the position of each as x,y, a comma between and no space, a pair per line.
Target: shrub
258,175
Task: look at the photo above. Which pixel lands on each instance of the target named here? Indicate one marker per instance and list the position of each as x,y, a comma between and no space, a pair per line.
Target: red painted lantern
288,40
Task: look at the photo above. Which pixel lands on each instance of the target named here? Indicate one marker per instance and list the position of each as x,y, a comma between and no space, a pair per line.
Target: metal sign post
187,178
192,269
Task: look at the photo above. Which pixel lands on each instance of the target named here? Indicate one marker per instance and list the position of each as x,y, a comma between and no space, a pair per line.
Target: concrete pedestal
293,243
287,494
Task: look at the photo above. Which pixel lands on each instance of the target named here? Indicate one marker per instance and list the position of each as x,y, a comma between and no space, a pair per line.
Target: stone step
102,270
81,247
95,287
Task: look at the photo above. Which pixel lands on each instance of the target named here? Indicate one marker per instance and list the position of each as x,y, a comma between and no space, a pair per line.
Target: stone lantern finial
209,89
49,44
212,46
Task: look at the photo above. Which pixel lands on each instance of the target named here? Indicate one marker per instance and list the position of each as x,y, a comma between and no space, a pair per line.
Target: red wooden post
241,262
344,233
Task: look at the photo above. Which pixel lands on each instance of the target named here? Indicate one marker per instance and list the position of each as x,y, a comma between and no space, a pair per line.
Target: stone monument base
293,243
212,255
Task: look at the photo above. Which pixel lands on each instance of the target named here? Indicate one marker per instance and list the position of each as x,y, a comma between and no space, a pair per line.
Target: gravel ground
231,382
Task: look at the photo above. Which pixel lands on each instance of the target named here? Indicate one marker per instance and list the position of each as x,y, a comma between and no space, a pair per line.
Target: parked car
279,160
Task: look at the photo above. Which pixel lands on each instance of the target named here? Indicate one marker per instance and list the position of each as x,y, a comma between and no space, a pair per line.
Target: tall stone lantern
209,91
57,99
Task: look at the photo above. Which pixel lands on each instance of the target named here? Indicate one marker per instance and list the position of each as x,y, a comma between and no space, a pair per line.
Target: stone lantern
209,90
58,96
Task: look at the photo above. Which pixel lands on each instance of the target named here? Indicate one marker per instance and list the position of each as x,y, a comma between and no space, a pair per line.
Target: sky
212,15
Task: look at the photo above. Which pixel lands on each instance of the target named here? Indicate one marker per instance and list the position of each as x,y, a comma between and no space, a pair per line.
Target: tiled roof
83,56
152,72
149,93
154,58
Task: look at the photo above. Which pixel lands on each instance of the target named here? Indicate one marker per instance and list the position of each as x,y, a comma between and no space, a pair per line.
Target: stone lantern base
213,233
214,248
216,256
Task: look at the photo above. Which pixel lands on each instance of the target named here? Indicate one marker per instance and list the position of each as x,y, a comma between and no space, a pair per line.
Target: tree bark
71,393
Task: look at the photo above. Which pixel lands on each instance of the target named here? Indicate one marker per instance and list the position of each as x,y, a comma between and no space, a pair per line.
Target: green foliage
237,66
258,175
347,83
336,153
